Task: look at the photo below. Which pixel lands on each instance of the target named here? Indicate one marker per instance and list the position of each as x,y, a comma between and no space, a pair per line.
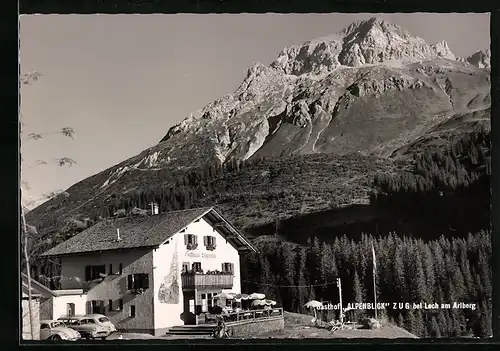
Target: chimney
118,238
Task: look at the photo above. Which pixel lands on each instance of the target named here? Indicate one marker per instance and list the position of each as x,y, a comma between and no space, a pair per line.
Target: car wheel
56,337
89,337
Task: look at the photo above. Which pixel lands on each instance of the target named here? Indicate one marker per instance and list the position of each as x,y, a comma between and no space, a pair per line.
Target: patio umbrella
257,296
241,296
224,295
314,305
258,303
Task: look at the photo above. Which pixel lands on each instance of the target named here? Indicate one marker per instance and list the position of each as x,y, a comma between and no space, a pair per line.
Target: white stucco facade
165,314
168,315
210,260
26,320
114,286
60,303
164,304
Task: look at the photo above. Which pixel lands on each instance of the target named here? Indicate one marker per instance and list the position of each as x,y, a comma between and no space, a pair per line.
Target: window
138,281
97,306
209,300
132,310
111,269
121,304
110,306
185,266
44,326
228,267
95,272
191,241
70,308
209,242
58,325
103,319
197,267
204,305
121,268
71,322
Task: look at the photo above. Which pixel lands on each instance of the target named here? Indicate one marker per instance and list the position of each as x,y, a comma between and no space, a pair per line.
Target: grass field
297,326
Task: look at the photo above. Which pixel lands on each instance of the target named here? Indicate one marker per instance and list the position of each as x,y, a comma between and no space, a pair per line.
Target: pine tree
328,273
357,295
442,323
417,283
400,320
434,330
302,293
287,259
267,278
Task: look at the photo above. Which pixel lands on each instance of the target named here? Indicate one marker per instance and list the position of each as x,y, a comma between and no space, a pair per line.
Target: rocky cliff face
371,89
480,59
369,86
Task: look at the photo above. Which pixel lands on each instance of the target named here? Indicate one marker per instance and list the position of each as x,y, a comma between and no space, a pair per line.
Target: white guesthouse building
150,273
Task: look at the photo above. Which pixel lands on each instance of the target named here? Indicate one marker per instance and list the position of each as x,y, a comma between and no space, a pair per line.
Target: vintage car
57,330
103,321
86,326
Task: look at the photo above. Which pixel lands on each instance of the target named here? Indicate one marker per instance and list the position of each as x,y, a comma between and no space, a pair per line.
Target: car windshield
58,325
72,322
103,320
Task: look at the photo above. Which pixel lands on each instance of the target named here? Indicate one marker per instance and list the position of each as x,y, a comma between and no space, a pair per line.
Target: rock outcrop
480,59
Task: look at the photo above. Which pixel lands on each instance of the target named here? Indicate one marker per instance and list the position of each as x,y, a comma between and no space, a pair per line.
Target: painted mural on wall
169,288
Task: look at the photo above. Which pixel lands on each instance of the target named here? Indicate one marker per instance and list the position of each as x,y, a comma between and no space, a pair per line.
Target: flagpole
374,280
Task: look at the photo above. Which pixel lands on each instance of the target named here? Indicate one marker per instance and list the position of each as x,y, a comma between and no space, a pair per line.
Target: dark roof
142,232
37,288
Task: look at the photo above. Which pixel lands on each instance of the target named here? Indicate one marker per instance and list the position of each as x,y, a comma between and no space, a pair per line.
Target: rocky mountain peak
367,27
371,41
480,59
442,50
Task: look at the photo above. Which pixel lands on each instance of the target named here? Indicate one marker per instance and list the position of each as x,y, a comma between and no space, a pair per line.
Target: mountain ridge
372,90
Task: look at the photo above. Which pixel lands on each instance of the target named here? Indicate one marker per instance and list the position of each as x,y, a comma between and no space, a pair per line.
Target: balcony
191,280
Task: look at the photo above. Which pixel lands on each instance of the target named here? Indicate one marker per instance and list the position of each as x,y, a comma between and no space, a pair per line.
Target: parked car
86,326
57,330
102,320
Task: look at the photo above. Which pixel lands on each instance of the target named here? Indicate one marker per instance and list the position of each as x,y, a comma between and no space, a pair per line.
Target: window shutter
101,307
231,267
121,304
195,239
130,282
223,267
110,269
185,239
145,281
205,240
88,273
89,307
121,268
213,240
110,306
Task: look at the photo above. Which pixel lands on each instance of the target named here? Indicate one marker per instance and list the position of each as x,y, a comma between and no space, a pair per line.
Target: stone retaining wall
245,329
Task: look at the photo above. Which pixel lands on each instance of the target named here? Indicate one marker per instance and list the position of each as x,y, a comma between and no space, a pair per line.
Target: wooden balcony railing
222,280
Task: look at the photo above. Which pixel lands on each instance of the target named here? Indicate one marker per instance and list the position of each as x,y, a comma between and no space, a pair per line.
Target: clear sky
121,81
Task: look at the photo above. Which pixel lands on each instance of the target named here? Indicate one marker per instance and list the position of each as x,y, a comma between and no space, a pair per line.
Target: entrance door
188,315
70,309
